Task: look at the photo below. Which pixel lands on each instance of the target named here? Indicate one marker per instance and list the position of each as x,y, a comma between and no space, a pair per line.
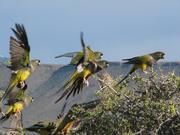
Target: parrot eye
38,62
32,99
162,55
107,64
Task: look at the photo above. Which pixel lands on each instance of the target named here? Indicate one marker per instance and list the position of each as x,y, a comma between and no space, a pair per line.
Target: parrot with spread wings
78,57
21,65
88,66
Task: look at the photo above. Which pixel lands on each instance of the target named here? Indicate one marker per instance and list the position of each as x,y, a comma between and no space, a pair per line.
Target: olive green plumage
86,67
15,105
21,65
79,57
142,62
78,79
59,126
43,127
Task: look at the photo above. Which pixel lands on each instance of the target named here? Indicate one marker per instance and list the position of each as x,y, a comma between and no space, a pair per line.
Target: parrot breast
22,75
18,107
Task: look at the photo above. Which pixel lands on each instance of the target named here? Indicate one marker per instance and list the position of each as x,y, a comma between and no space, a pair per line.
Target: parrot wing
19,48
70,55
129,73
74,86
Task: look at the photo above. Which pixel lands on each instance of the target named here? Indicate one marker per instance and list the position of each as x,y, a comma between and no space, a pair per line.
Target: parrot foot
18,112
15,115
3,114
86,82
22,85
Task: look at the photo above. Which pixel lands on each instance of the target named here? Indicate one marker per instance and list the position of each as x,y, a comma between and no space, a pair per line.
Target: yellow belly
23,75
86,73
143,67
17,107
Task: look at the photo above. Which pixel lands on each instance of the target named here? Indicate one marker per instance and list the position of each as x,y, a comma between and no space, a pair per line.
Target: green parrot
21,65
78,57
41,127
86,67
70,122
62,125
50,127
142,62
16,95
79,79
16,107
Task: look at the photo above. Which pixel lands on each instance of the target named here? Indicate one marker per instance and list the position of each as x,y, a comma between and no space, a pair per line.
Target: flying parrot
78,57
142,62
21,65
79,79
16,107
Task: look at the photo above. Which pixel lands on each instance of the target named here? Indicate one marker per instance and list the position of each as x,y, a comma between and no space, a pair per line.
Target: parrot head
34,63
102,65
28,100
98,55
158,55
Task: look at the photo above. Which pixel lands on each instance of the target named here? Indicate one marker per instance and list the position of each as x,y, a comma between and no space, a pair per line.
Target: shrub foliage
141,105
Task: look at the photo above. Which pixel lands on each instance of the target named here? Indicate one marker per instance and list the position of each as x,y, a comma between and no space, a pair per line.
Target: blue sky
118,28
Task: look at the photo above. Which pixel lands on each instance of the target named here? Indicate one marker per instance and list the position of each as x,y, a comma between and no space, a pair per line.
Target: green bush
141,105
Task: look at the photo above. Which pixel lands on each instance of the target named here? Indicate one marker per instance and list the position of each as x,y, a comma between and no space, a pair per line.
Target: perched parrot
142,62
79,79
16,107
21,65
78,57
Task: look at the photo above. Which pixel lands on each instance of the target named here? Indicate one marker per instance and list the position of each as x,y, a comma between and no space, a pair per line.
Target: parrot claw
22,85
86,82
3,114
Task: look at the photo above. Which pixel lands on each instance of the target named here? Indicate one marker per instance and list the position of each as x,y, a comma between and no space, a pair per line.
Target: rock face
47,79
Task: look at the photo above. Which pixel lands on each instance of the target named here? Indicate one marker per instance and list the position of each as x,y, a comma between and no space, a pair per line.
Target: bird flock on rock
87,62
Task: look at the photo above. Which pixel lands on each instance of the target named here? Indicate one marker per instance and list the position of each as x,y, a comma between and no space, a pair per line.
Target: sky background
118,28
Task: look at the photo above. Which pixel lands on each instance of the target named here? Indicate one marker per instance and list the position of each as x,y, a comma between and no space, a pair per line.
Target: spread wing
19,48
85,52
72,87
16,95
70,55
138,59
89,54
69,117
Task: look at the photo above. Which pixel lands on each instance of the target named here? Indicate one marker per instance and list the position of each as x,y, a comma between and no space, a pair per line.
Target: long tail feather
4,118
61,97
8,90
69,55
73,88
130,72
